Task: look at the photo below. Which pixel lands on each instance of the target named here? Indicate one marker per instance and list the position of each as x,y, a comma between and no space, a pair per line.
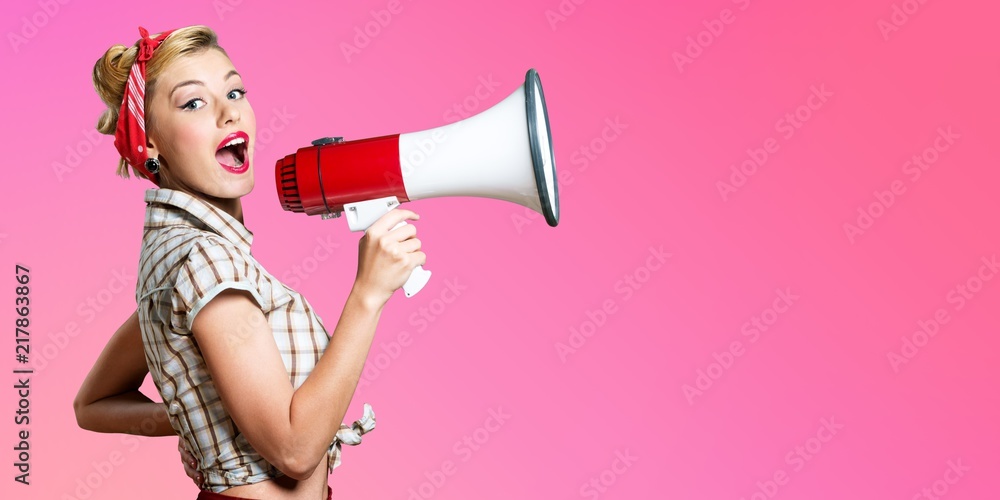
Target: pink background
824,361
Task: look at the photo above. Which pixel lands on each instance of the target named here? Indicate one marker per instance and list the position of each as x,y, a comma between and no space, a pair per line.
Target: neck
232,206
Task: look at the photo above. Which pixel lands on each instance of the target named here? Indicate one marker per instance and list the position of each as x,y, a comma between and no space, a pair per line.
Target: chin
240,188
228,188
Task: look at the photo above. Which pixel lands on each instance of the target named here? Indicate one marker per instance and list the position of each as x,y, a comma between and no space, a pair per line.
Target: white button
174,408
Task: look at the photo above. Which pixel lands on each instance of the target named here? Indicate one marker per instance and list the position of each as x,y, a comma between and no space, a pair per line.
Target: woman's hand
387,256
190,464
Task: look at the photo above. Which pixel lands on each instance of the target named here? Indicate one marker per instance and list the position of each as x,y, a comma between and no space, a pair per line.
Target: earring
153,165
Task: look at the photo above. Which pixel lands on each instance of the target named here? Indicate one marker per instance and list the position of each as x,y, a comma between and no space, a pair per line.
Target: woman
250,380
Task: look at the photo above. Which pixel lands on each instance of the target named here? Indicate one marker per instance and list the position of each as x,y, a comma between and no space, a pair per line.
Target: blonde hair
111,74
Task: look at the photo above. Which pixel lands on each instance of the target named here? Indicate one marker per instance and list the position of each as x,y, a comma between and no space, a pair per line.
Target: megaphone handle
363,214
418,277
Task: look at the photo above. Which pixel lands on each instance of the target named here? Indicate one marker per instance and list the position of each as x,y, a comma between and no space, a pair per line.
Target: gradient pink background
528,286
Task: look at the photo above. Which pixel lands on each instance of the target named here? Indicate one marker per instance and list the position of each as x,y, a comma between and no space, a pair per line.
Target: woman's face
202,127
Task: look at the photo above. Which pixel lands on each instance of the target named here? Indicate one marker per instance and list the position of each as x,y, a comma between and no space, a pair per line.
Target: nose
229,113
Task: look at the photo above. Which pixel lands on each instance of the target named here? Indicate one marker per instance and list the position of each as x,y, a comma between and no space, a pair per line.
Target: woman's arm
109,399
293,428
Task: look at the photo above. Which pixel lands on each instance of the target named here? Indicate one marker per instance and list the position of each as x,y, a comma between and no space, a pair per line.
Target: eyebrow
199,82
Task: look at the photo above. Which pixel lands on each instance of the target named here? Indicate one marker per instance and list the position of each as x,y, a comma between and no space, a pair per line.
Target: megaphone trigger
362,214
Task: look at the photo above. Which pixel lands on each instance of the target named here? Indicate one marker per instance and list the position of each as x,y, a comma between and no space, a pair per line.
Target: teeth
238,140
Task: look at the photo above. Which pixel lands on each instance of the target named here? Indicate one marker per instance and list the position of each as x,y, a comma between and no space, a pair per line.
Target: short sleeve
212,267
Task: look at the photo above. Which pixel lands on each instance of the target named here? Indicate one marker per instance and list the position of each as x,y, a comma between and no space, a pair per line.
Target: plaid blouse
192,251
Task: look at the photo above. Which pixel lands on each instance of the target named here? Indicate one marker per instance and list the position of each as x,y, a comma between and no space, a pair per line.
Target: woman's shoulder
192,260
195,266
165,250
172,238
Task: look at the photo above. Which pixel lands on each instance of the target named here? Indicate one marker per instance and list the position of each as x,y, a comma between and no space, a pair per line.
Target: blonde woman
251,381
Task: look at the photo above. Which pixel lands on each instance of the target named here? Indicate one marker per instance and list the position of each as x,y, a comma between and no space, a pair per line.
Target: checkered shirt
192,251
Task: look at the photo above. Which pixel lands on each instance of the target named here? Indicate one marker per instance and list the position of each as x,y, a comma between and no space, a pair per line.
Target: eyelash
186,106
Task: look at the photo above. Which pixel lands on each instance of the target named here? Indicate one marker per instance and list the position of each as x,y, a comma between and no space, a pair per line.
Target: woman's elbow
297,466
80,410
296,471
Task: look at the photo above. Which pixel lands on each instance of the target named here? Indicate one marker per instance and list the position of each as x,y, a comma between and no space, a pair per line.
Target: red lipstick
231,153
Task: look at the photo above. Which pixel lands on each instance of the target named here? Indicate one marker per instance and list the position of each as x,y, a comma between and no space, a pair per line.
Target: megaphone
503,153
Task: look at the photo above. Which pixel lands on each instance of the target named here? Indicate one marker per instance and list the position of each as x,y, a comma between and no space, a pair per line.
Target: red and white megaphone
503,153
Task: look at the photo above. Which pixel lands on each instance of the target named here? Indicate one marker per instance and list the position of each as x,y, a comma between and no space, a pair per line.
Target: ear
151,150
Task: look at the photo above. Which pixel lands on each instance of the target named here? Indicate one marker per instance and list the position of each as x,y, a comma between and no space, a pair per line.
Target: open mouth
233,152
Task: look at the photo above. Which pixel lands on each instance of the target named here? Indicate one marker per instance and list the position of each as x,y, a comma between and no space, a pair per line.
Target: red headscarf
130,137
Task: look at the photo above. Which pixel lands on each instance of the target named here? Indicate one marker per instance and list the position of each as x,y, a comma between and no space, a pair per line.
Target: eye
236,94
193,104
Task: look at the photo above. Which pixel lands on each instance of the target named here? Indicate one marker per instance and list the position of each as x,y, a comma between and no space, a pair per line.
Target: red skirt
208,495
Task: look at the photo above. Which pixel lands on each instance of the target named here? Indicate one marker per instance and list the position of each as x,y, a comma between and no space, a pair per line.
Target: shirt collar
167,207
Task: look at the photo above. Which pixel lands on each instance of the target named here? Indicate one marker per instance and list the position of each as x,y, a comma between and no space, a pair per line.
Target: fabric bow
351,434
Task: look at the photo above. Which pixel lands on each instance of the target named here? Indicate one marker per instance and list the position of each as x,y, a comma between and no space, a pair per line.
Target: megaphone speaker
503,153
